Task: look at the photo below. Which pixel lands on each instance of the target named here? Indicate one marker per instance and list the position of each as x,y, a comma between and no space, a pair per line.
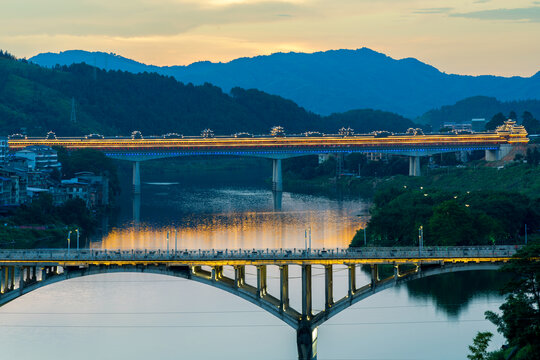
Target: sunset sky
498,37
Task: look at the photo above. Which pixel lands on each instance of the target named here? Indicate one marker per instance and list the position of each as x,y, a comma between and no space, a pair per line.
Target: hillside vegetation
36,100
330,81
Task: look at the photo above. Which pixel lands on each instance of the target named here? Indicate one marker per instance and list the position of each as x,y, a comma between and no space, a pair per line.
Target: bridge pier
329,287
284,287
261,281
414,166
306,341
136,177
352,280
277,181
307,311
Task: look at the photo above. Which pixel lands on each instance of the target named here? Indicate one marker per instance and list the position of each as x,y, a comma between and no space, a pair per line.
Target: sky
499,37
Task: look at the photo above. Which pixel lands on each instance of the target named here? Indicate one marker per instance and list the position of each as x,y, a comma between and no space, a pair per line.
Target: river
142,316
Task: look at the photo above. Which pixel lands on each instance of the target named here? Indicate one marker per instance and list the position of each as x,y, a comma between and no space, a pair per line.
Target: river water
142,316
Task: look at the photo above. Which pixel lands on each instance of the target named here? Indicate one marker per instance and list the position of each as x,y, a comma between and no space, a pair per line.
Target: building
92,189
478,125
40,157
12,188
4,150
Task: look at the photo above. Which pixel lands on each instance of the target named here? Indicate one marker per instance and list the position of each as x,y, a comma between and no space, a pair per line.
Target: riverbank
514,177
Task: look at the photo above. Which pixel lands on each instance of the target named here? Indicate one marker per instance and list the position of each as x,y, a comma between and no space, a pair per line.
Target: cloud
441,10
139,17
529,14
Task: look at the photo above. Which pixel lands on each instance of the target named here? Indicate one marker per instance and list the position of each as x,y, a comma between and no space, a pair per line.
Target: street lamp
77,231
68,241
421,238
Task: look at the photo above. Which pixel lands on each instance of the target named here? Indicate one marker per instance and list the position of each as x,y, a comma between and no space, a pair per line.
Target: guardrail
35,255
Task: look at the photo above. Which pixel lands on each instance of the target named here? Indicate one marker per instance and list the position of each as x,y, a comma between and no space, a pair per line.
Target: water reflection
453,292
226,218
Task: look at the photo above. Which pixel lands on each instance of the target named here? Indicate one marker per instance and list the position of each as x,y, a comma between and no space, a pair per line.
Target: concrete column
136,209
11,278
414,166
277,181
329,287
352,279
306,341
217,273
261,281
44,274
239,276
374,275
463,156
284,287
136,178
21,277
2,279
307,312
396,272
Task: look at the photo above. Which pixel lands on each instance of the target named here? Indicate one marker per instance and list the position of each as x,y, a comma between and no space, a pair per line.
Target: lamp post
421,238
68,241
175,241
167,242
77,231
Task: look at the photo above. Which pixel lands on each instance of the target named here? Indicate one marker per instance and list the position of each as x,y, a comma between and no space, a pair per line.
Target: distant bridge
23,271
496,145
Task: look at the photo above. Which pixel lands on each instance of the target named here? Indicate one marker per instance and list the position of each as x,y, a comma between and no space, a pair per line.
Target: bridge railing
257,254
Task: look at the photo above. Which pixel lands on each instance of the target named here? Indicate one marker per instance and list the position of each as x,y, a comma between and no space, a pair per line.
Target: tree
531,124
496,120
479,347
512,115
520,318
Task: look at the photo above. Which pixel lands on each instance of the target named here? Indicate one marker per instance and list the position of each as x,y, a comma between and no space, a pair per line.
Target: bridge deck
230,143
260,257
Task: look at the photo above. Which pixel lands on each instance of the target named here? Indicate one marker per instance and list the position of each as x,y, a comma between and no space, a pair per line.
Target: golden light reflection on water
243,230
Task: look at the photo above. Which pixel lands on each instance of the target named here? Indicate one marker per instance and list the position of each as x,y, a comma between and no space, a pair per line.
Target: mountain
329,81
35,99
478,107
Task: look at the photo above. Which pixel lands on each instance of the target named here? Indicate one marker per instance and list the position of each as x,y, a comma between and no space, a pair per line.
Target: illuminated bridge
22,271
496,145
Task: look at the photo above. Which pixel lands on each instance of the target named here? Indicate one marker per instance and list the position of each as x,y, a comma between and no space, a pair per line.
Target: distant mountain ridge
34,100
329,81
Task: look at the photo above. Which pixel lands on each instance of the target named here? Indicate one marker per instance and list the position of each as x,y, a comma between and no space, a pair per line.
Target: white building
4,149
40,157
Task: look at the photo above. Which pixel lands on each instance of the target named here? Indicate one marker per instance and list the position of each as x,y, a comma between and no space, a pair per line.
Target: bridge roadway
496,144
22,271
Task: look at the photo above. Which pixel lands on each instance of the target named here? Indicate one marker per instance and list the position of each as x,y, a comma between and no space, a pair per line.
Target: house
40,157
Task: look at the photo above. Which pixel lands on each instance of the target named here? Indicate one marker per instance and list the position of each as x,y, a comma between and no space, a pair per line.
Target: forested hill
330,81
478,107
36,100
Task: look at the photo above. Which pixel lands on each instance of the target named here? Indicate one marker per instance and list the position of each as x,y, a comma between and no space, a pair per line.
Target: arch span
255,295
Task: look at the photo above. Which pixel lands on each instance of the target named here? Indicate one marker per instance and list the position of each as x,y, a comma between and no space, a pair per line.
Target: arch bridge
22,271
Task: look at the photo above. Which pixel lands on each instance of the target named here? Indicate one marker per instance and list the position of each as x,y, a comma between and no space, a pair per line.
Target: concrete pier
136,177
414,166
277,181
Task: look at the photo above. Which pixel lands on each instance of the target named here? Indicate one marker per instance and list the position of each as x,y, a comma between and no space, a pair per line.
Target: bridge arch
267,303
